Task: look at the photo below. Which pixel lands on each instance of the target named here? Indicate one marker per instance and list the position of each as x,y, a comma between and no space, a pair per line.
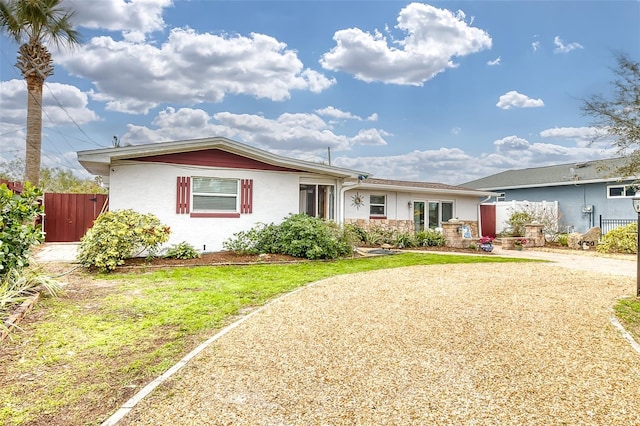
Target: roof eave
98,161
550,184
420,189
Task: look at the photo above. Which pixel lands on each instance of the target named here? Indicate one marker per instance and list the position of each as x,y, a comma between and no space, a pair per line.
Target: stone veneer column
534,235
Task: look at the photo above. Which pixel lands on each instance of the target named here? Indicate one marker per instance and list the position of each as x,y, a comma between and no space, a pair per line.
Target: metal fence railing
607,225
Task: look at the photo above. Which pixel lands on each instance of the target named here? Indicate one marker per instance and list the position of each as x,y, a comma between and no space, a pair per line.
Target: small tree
547,217
618,116
516,222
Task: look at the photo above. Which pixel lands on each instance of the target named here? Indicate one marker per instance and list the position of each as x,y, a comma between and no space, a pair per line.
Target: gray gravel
481,344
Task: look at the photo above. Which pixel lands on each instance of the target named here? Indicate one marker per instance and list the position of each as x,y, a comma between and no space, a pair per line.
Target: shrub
183,250
430,238
120,235
259,239
298,235
516,222
18,284
405,240
312,238
358,233
623,239
563,240
378,235
18,231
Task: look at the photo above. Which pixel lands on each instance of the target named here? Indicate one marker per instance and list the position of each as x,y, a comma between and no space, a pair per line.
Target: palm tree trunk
34,129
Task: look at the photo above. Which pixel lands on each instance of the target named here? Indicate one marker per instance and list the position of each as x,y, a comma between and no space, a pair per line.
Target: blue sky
440,92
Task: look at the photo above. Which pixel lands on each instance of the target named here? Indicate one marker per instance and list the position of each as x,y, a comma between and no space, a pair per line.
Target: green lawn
83,354
628,312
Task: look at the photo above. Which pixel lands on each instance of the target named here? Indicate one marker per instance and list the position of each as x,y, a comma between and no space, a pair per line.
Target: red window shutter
246,196
183,194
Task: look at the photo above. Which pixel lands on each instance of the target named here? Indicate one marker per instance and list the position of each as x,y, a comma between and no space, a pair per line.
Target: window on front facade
318,201
378,205
621,191
439,212
215,195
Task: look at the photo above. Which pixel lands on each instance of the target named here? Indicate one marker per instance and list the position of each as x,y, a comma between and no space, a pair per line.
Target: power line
71,118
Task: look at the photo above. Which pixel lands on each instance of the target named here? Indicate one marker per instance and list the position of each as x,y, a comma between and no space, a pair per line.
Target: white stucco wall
151,188
464,208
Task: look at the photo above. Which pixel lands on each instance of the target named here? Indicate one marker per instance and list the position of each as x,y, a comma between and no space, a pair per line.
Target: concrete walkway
57,252
579,260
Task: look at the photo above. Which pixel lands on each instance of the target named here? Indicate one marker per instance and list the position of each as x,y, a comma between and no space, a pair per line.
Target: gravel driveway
483,344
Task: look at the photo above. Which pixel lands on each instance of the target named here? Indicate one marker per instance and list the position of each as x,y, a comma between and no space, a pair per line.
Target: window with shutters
214,197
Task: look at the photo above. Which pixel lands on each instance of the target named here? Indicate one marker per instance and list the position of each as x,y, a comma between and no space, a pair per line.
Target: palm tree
35,23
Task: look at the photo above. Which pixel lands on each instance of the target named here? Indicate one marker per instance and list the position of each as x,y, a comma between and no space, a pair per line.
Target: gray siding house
588,194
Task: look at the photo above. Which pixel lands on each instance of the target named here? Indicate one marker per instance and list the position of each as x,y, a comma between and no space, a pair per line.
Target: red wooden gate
488,219
68,216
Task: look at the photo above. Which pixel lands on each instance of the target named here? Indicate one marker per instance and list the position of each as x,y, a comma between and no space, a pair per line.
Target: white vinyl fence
504,210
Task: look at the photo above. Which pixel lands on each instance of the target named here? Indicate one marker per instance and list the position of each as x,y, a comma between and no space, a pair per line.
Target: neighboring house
587,193
206,190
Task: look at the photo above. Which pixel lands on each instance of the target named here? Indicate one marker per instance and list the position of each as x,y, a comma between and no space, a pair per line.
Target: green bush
405,240
563,240
116,236
18,231
378,235
516,223
430,238
183,250
623,239
298,235
359,234
257,240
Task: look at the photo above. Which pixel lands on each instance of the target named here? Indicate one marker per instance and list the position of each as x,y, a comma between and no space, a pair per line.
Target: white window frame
383,204
628,191
194,193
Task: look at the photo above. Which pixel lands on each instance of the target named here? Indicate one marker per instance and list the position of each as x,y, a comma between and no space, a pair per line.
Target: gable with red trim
213,158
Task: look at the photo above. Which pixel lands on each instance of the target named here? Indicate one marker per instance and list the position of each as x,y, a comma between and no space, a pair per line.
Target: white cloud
336,113
456,131
292,134
141,16
565,48
581,136
190,68
63,104
518,100
535,46
432,38
373,117
494,62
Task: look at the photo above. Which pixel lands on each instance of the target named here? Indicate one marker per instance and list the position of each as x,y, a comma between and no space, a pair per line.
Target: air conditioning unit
587,209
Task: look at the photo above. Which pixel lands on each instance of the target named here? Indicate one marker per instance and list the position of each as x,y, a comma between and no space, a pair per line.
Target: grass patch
91,349
628,313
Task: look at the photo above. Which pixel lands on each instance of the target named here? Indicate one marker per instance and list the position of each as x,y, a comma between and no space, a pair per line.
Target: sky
445,92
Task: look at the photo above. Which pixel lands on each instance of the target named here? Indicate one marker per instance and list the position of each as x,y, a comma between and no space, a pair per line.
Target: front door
418,216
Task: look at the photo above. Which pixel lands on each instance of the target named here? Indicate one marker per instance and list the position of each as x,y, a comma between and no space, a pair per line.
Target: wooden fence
68,216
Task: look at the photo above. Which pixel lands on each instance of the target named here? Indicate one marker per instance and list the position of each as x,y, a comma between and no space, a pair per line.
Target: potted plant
486,243
519,243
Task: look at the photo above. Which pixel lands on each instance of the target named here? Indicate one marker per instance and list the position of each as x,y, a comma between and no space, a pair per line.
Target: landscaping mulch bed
231,258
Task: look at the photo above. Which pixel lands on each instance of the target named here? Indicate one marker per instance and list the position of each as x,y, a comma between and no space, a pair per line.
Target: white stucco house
206,190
